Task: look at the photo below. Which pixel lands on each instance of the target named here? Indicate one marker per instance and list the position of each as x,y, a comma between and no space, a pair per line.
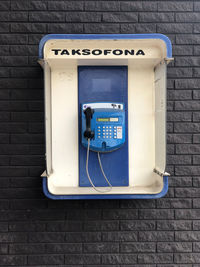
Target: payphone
105,115
103,130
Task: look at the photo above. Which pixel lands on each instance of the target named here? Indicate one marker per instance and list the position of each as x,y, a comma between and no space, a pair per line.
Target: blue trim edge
101,196
106,36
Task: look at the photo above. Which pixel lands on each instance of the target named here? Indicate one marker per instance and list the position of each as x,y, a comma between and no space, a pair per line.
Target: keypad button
99,136
110,127
115,137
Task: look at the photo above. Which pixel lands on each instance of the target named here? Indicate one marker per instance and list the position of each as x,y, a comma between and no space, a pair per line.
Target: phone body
108,125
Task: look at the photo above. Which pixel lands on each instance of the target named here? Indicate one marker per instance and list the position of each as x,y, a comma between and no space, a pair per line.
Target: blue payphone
103,130
104,125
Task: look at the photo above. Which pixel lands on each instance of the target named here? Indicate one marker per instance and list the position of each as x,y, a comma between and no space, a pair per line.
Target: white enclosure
146,109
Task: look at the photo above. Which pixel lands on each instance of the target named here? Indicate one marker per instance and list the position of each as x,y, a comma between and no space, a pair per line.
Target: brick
101,226
64,248
19,16
27,116
179,116
196,72
179,138
196,204
27,203
46,16
14,61
184,50
179,72
55,226
83,17
120,17
120,214
63,5
187,61
188,149
174,28
187,39
4,16
186,127
196,116
196,247
13,237
12,260
24,227
196,225
28,27
174,247
119,236
137,247
187,192
140,204
187,83
45,259
155,258
156,214
82,259
102,6
119,259
101,28
174,203
27,139
197,50
187,258
4,5
83,237
179,160
65,28
13,39
181,181
156,17
26,248
175,6
139,225
100,248
41,237
187,214
138,28
156,236
170,149
187,236
3,249
187,17
174,225
196,181
4,27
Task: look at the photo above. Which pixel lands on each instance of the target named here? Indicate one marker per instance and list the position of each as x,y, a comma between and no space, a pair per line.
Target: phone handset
89,134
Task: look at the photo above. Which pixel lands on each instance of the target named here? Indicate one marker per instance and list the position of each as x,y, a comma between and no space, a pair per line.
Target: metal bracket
161,173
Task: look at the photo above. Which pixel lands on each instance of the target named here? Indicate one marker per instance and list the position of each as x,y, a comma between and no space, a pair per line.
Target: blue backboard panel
104,84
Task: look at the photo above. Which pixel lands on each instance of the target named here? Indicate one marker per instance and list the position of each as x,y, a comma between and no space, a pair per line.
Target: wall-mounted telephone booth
105,115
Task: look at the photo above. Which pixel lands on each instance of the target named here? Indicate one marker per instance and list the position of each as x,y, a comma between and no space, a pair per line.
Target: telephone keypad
109,132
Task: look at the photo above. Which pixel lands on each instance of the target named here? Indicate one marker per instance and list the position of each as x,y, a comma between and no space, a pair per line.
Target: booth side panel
160,117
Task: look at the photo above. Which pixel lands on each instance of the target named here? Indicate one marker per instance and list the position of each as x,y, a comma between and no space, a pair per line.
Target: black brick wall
35,231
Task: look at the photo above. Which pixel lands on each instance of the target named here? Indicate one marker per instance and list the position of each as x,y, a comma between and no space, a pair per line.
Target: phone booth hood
146,57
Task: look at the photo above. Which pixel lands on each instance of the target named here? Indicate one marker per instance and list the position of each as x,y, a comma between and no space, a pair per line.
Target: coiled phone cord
100,164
